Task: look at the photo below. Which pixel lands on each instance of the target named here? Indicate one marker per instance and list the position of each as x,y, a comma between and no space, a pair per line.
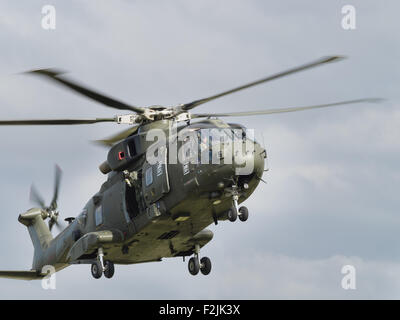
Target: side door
155,182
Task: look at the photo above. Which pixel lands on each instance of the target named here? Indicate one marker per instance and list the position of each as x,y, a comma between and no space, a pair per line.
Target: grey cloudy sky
331,196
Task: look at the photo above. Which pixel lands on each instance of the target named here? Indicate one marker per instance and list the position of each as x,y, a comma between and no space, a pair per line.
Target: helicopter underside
165,237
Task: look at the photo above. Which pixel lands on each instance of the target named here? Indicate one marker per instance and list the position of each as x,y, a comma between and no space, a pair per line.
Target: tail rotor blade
36,198
50,211
54,222
51,223
57,180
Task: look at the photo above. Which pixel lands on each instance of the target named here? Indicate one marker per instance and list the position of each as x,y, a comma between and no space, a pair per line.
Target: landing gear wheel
96,270
193,266
205,265
232,214
109,269
243,213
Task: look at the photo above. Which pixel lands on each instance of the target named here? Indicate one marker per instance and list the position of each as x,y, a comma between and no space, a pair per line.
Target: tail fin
38,231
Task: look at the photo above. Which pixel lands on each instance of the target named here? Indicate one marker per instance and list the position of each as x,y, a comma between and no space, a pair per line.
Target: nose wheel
234,212
243,213
195,265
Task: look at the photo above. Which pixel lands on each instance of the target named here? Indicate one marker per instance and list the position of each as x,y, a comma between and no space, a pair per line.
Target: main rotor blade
57,180
283,110
108,142
191,105
36,198
54,121
55,75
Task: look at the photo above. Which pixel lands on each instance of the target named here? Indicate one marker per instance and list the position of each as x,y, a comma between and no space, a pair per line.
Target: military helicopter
147,211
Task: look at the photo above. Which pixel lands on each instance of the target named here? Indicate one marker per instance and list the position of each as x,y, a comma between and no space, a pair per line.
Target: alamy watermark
349,17
48,21
203,146
49,281
349,280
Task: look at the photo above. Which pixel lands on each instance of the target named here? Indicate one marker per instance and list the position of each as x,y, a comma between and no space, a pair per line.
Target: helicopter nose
249,159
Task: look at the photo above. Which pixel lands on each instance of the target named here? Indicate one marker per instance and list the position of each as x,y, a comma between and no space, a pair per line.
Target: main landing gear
194,265
101,266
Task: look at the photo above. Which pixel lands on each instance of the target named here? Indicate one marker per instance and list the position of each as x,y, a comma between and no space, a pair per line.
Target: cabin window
98,216
149,176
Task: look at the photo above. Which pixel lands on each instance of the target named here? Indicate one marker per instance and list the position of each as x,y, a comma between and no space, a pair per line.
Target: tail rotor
50,211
